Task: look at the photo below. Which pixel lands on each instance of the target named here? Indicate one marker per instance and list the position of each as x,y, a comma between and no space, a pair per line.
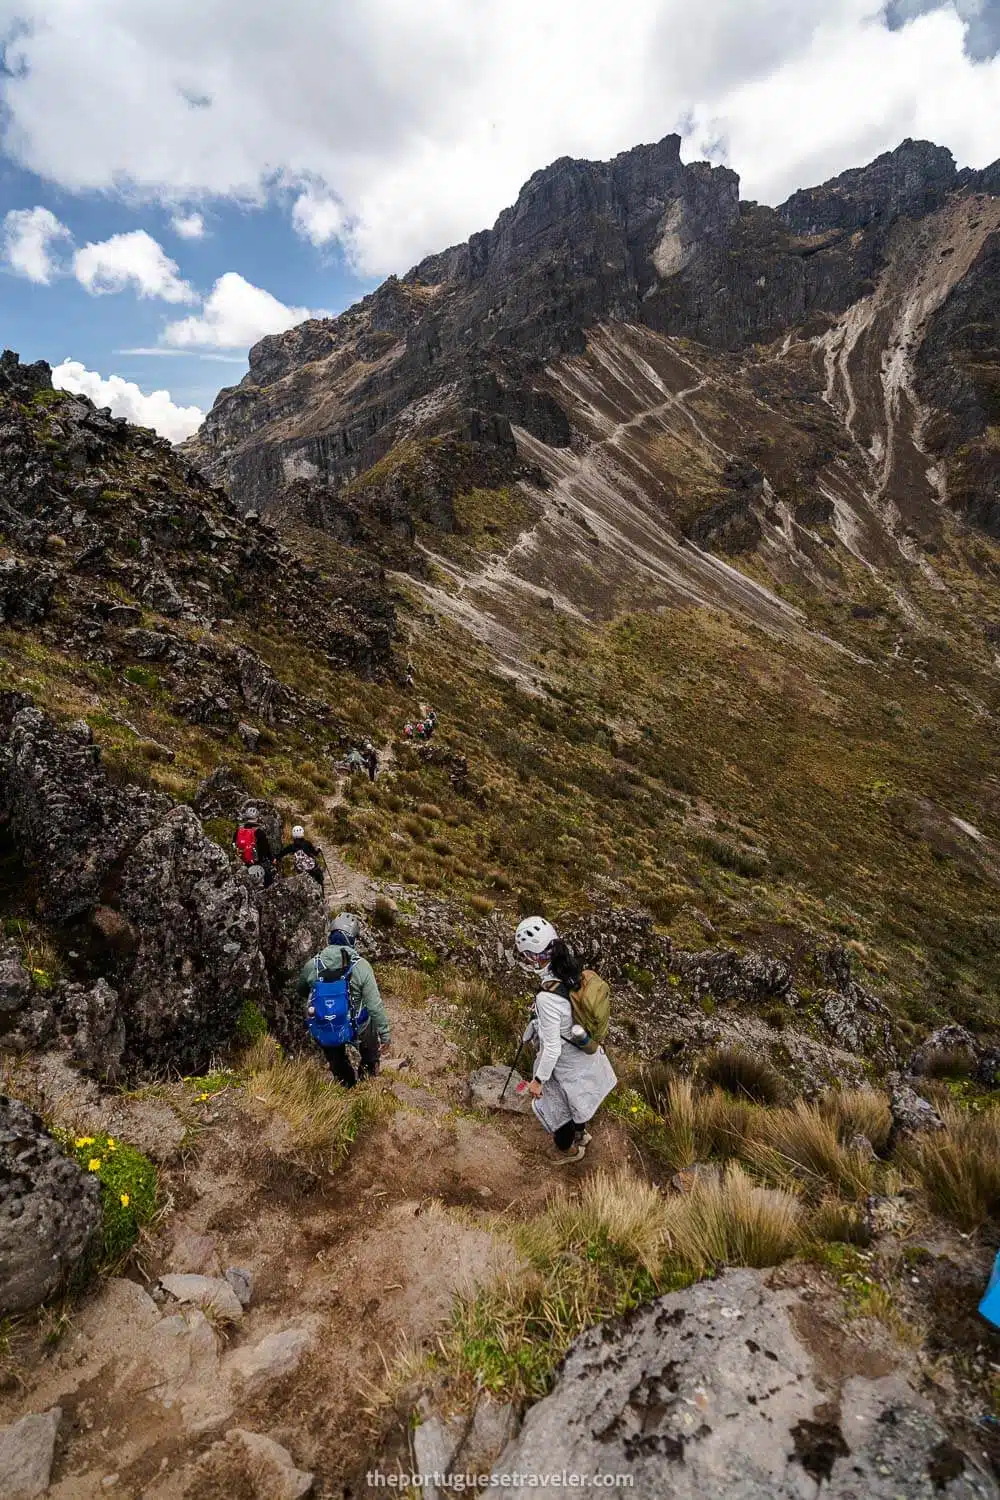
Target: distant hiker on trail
572,1074
371,760
355,760
345,1007
306,858
252,845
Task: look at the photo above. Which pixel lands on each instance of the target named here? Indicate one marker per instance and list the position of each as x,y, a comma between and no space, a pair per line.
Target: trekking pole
517,1059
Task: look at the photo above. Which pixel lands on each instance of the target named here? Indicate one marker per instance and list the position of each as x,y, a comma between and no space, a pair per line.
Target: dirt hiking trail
347,1269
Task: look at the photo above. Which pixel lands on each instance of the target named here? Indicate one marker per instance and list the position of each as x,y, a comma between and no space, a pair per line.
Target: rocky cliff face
459,346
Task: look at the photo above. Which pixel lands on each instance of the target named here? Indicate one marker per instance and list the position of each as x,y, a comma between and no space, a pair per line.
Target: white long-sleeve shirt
553,1019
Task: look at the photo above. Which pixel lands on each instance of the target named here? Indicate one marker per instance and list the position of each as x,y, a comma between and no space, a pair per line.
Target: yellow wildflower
123,1199
111,1143
635,1109
202,1096
84,1140
93,1164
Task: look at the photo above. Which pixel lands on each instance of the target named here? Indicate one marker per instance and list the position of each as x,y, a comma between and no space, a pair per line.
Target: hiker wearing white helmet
306,858
253,845
572,1074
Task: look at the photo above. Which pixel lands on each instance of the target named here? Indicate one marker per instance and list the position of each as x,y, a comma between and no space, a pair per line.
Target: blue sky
310,150
61,320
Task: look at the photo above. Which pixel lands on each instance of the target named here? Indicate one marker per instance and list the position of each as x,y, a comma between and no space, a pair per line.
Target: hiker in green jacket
372,1038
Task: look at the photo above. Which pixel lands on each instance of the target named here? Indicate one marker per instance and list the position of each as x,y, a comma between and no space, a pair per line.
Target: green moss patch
128,1191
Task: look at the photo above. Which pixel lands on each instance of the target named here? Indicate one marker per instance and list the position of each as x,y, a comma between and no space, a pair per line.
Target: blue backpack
332,1017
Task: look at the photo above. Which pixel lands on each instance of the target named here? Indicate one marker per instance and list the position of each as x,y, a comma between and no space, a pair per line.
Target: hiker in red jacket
252,845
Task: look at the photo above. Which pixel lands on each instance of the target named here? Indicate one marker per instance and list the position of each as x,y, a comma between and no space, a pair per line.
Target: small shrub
949,1062
143,677
741,1073
415,829
481,904
750,863
430,810
442,847
128,1192
858,1112
251,1023
384,912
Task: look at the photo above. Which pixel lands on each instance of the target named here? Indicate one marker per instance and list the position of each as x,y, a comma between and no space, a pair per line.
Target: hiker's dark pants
372,770
567,1134
340,1062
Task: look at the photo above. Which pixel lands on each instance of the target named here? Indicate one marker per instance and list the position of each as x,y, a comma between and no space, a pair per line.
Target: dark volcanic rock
49,1210
199,957
293,926
457,345
73,825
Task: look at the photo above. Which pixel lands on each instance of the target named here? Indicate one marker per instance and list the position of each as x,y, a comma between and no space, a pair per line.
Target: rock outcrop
728,1389
49,1211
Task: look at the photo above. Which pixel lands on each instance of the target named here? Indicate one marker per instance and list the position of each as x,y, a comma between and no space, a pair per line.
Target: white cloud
419,123
29,237
158,352
125,399
235,315
135,260
317,217
188,226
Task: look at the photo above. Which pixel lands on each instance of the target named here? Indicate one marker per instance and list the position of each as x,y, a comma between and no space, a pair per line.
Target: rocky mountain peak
913,180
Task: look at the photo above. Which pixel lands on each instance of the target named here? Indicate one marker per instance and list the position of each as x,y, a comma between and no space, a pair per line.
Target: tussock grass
653,1081
858,1112
740,1072
413,986
799,1147
621,1214
323,1119
838,1222
698,1126
959,1167
617,1244
731,1220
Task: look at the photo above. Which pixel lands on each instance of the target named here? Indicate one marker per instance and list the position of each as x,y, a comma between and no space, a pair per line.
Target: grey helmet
347,924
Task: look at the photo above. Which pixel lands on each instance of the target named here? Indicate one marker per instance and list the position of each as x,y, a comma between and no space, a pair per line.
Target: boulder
15,991
71,823
487,1091
198,960
49,1210
734,978
257,1366
293,926
210,1293
911,1115
725,1390
27,1449
241,1281
250,1465
96,1026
